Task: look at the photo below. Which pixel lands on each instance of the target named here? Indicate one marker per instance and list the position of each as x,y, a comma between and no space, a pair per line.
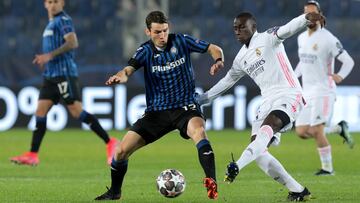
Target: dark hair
246,15
315,3
155,17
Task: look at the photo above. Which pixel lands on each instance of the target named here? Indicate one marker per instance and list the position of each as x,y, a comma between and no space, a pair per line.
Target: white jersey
317,53
265,61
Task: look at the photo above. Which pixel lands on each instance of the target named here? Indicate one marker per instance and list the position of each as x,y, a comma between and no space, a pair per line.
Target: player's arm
231,77
297,70
297,24
346,67
217,54
71,42
122,76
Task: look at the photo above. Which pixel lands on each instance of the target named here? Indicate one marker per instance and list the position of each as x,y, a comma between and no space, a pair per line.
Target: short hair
155,17
246,15
315,3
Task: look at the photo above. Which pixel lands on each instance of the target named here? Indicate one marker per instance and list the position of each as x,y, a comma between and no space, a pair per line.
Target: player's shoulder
326,33
62,17
302,35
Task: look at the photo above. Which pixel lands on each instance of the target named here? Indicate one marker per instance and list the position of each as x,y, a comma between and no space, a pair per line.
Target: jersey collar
168,45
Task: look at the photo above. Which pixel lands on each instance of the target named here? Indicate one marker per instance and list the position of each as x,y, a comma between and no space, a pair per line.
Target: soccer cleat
109,195
232,170
323,172
28,158
110,149
211,187
299,196
345,134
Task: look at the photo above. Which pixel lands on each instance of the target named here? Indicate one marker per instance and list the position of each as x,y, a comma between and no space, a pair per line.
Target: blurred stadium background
109,32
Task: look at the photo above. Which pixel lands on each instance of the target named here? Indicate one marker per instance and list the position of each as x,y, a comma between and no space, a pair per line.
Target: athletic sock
206,158
333,129
94,124
38,134
118,171
256,147
272,167
326,158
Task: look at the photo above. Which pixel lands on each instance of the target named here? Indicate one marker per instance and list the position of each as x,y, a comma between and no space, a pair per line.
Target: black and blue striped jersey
169,76
53,38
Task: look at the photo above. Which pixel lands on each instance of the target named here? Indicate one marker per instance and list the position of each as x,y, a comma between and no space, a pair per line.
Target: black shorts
155,124
66,88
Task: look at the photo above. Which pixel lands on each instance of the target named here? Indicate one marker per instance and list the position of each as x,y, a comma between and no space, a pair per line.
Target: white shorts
291,104
318,110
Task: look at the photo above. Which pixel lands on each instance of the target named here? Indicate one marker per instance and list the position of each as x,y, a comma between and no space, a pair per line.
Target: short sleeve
139,58
196,45
66,25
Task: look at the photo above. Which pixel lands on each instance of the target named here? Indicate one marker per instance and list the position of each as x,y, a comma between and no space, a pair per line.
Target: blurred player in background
317,50
170,99
60,81
264,59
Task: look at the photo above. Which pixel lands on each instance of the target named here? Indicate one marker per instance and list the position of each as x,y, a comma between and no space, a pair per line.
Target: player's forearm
292,27
216,52
67,46
347,64
221,87
128,71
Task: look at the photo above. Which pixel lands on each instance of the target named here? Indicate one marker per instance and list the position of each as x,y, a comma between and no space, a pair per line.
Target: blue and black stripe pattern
169,77
53,38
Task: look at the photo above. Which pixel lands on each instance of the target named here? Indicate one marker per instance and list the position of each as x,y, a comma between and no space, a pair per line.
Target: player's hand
42,59
337,78
120,77
315,17
216,67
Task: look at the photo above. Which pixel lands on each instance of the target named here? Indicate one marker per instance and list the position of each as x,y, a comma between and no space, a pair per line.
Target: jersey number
63,87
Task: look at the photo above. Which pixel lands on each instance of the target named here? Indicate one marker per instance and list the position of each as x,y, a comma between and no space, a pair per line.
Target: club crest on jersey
258,52
315,47
173,50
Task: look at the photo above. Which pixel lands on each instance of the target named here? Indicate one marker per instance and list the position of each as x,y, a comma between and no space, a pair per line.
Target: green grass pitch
73,169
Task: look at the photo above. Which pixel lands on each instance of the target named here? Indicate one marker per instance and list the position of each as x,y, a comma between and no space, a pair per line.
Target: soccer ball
171,183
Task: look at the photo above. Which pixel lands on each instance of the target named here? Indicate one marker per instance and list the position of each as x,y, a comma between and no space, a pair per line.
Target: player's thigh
48,92
131,142
43,107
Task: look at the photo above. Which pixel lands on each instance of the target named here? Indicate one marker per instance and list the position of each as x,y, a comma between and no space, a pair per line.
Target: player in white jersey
317,50
263,58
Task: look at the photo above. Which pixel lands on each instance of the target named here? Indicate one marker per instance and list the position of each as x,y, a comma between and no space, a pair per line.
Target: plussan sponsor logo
169,65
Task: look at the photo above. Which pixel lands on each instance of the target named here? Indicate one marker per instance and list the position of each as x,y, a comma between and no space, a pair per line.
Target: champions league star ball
171,183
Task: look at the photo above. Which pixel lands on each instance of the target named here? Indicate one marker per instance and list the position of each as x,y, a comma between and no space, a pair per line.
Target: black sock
118,170
38,134
206,158
94,124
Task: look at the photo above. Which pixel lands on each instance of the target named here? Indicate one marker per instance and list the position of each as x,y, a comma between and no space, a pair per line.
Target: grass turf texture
73,169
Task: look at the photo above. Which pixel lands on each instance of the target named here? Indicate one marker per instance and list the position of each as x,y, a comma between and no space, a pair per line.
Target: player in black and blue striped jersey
170,99
60,81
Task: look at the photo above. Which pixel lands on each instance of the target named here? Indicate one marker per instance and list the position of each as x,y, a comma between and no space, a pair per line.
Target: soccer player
317,50
60,81
170,99
263,58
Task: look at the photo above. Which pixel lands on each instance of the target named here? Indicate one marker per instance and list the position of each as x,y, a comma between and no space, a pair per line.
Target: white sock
333,129
256,147
272,167
325,158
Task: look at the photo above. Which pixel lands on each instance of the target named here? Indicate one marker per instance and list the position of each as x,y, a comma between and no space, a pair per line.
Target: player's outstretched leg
345,134
207,161
31,158
95,126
